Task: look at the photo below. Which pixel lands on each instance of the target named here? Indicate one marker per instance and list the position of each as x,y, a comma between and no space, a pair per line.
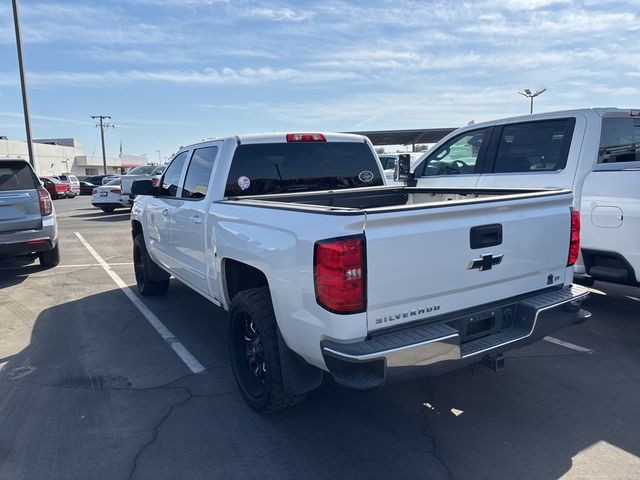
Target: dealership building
54,156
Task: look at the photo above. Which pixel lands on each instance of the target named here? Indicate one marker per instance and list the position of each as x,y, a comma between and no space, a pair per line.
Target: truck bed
385,199
426,248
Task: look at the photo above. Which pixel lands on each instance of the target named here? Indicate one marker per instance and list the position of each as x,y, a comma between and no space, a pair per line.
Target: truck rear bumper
454,342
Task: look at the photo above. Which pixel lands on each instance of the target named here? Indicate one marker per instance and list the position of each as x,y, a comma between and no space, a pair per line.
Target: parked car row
115,192
57,188
61,186
291,234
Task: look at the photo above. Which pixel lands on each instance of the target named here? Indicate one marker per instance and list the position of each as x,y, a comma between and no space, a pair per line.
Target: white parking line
82,265
189,360
572,346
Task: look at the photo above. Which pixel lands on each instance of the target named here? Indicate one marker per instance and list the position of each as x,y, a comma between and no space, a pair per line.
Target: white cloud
562,23
208,76
277,14
74,121
525,5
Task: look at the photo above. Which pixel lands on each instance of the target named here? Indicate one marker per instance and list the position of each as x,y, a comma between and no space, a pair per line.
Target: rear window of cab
270,168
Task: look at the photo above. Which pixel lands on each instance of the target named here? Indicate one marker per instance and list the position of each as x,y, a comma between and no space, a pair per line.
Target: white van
595,152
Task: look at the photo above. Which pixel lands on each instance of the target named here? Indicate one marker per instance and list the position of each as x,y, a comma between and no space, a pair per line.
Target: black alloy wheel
254,352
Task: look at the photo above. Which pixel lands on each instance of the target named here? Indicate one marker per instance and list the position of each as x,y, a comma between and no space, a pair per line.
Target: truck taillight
155,181
45,202
574,244
305,137
339,273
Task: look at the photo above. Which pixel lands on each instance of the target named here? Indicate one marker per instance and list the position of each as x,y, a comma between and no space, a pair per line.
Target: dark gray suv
28,224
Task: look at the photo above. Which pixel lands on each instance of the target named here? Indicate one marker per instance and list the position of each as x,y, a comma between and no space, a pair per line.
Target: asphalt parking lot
90,390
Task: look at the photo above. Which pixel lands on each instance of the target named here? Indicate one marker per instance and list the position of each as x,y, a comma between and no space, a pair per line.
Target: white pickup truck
594,152
323,267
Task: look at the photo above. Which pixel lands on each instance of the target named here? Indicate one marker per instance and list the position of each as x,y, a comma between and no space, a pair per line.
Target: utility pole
23,84
530,95
102,126
159,159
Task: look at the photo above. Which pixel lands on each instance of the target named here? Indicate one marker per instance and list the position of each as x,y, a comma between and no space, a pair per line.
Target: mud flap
297,375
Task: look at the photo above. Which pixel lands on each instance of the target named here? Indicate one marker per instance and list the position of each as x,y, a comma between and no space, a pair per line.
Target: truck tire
108,209
148,283
50,258
253,348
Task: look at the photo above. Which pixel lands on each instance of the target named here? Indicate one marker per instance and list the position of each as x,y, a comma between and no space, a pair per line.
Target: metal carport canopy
406,137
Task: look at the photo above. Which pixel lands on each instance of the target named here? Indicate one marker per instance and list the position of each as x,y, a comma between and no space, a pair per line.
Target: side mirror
143,187
403,168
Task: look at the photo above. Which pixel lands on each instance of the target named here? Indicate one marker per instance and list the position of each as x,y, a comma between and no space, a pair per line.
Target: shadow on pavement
14,271
100,216
98,394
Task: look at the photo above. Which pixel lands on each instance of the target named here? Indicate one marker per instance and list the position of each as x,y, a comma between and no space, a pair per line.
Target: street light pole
530,95
23,84
159,159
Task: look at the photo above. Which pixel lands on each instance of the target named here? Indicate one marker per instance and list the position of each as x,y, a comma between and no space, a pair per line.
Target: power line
102,126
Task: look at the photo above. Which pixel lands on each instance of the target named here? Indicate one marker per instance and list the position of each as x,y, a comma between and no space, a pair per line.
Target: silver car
28,224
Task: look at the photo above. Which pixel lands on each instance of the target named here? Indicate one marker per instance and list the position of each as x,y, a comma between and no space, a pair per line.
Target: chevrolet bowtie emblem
485,262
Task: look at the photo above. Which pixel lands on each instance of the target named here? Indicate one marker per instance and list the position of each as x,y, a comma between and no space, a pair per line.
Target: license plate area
483,324
104,194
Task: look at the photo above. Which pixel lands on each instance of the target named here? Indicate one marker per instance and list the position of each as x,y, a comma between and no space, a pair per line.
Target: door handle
165,212
196,219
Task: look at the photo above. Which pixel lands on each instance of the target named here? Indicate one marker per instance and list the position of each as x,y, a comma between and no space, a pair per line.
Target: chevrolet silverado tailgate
425,262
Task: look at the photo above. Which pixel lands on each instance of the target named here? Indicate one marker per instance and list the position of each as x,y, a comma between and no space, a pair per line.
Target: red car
55,187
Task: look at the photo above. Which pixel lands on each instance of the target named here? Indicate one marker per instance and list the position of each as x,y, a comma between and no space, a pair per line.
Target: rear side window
619,140
197,181
458,155
259,169
171,179
534,146
16,176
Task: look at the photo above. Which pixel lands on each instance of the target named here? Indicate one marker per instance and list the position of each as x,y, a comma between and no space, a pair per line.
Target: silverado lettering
411,313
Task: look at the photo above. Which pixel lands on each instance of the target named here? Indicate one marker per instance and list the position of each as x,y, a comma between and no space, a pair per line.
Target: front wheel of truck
253,347
150,278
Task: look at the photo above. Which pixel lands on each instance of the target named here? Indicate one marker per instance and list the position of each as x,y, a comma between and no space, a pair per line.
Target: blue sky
171,72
